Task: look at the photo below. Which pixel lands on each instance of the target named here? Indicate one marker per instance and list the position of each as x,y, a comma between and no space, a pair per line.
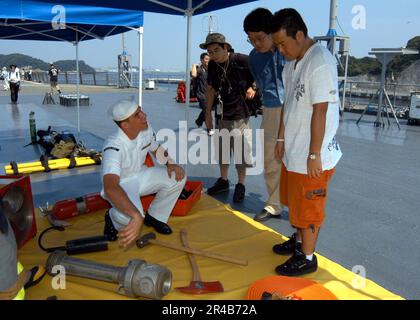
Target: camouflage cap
214,38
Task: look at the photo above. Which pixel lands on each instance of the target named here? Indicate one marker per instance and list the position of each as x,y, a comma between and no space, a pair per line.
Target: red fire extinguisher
66,209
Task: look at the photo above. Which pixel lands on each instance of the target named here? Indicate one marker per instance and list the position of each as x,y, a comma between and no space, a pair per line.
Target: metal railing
358,91
103,78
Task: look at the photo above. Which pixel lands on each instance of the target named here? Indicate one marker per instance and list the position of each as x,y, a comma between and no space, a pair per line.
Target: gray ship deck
373,209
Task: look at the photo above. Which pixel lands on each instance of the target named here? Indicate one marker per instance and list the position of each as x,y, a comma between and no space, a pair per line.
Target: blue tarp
41,20
176,7
32,19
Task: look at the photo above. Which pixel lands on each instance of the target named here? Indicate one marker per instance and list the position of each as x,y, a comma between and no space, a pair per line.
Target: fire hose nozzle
137,279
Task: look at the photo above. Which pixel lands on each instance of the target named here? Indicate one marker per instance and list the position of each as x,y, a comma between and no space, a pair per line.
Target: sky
369,24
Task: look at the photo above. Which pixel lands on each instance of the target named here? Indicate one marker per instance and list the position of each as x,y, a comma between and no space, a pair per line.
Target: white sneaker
211,132
275,211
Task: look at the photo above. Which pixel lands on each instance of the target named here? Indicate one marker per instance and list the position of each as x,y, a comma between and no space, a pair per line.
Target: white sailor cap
123,109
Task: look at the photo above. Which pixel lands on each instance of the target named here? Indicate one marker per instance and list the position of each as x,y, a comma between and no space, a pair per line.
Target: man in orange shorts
306,140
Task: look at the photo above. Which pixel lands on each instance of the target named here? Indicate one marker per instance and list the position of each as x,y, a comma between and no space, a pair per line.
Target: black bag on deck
48,139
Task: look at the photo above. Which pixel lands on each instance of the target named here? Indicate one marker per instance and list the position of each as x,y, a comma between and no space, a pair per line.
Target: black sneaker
159,226
220,186
287,247
109,229
297,265
239,194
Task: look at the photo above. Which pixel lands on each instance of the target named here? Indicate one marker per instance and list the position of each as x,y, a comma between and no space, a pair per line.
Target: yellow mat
212,226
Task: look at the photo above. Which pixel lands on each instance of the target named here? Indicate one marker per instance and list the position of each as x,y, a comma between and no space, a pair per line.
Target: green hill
371,66
22,60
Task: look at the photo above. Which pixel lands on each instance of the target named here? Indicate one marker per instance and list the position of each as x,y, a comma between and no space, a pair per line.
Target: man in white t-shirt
13,78
306,140
125,176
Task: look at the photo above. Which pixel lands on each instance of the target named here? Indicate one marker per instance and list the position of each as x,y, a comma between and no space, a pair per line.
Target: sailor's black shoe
239,194
109,229
297,265
220,186
287,247
159,226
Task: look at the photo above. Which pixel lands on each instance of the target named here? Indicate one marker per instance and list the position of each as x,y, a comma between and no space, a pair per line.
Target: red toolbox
182,207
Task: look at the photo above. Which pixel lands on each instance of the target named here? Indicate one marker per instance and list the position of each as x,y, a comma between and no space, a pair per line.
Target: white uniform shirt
14,76
314,80
124,157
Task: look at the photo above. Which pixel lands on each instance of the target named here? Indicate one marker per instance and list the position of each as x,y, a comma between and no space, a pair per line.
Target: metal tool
47,212
151,238
76,246
137,279
197,286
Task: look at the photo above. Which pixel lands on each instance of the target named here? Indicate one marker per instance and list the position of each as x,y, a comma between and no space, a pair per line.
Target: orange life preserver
289,288
180,92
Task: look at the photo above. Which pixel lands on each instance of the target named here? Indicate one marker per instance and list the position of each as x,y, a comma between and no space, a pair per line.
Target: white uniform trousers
149,181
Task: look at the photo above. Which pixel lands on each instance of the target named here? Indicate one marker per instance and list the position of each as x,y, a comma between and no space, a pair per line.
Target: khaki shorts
305,197
234,136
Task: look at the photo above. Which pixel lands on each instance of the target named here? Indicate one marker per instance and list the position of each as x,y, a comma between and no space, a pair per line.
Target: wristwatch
313,156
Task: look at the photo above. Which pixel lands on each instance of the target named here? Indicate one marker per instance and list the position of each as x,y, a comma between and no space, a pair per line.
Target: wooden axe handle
194,265
199,252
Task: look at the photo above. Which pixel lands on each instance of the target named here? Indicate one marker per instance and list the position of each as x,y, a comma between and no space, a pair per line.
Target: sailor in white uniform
126,178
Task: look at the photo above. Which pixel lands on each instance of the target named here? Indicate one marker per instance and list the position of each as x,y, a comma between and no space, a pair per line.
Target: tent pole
77,83
189,14
141,30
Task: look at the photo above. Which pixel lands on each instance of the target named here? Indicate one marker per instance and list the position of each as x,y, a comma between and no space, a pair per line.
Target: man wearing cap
13,78
125,177
53,73
230,83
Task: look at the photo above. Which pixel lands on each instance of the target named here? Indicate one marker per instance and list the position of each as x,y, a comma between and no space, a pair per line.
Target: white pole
77,83
189,14
141,30
345,81
333,15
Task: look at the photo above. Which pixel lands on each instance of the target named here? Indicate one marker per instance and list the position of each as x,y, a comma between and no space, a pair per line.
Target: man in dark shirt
230,83
199,74
53,73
